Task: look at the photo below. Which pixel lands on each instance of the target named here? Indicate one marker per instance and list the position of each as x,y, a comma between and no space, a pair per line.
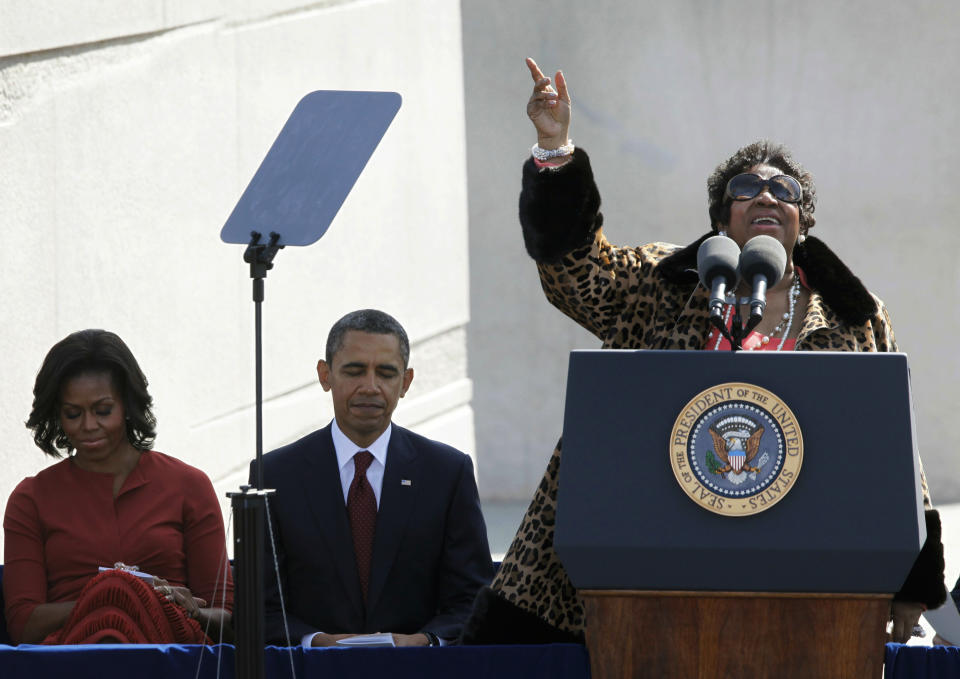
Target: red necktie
362,508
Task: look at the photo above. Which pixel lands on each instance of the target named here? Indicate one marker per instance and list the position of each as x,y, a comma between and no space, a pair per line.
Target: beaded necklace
787,317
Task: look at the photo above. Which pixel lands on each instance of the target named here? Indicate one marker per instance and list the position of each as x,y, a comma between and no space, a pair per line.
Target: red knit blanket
116,607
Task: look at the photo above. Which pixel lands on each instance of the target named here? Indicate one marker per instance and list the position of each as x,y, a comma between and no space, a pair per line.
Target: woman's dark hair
84,352
762,152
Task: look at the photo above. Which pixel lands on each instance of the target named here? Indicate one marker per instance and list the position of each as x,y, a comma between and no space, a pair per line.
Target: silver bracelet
545,154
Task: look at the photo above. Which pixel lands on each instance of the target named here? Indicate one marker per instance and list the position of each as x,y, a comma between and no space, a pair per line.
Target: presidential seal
736,449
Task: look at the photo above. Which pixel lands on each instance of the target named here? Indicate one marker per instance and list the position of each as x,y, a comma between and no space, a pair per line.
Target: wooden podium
689,635
802,589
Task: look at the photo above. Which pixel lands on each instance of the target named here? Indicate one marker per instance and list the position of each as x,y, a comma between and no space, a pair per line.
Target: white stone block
39,25
122,160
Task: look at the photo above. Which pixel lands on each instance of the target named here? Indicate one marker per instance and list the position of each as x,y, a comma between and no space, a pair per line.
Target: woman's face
92,417
764,215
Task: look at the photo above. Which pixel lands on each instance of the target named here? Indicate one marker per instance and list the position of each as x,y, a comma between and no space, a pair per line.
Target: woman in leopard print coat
649,297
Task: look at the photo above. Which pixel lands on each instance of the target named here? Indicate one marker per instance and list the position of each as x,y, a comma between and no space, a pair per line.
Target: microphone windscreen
718,256
763,255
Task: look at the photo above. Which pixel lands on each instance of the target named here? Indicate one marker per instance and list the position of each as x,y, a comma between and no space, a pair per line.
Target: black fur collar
825,273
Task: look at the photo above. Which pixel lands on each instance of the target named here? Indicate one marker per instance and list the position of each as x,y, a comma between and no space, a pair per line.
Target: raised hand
549,108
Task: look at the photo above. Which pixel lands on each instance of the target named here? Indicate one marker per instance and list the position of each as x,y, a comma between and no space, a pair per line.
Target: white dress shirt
346,449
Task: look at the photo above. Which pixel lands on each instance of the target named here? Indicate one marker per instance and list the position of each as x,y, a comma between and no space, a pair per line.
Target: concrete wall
128,130
662,92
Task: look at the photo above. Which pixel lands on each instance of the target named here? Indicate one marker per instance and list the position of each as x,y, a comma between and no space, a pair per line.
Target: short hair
367,320
85,352
763,152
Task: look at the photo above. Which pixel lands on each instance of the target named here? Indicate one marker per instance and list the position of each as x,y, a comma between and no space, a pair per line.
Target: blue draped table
921,662
553,661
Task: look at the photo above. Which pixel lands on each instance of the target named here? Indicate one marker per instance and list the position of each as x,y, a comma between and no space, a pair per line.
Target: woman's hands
549,108
46,619
212,620
181,596
905,614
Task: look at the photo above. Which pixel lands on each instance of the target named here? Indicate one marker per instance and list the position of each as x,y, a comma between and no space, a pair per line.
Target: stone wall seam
26,79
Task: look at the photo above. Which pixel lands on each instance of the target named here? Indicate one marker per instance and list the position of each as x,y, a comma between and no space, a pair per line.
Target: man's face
366,379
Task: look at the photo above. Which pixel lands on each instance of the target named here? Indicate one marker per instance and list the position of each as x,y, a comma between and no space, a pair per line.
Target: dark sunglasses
748,185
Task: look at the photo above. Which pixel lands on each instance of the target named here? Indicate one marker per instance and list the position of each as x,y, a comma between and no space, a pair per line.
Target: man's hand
410,640
325,640
940,641
321,639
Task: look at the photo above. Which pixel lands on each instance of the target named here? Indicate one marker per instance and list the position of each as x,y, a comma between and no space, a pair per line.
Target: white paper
142,576
367,640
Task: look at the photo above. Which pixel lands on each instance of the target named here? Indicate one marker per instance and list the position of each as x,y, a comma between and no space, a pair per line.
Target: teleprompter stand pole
248,531
260,258
249,505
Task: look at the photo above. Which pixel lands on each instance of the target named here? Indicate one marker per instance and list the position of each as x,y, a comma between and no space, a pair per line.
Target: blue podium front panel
848,519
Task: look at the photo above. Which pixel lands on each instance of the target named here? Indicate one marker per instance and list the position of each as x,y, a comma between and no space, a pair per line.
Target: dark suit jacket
430,551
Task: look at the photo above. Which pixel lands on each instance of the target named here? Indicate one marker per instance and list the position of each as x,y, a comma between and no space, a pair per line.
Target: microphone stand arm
736,330
717,322
736,333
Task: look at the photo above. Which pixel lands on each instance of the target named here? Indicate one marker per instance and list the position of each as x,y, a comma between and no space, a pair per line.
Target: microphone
762,263
717,260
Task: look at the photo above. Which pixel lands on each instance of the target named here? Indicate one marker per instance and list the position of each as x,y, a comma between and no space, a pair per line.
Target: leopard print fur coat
645,297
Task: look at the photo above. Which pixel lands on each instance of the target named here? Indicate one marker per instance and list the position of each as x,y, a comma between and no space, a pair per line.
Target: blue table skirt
921,662
553,661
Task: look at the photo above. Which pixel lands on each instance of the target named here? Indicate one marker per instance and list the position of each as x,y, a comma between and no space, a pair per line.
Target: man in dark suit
377,529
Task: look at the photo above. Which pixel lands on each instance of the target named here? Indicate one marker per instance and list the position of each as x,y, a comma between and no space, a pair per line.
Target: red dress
64,523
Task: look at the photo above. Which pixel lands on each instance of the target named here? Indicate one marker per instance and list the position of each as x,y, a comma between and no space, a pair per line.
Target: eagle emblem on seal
736,441
736,449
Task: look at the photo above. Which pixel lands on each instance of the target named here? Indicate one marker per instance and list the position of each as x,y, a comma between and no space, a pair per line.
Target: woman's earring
722,232
802,238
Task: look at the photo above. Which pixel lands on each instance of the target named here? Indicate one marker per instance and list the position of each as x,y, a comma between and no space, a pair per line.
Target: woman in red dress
112,501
